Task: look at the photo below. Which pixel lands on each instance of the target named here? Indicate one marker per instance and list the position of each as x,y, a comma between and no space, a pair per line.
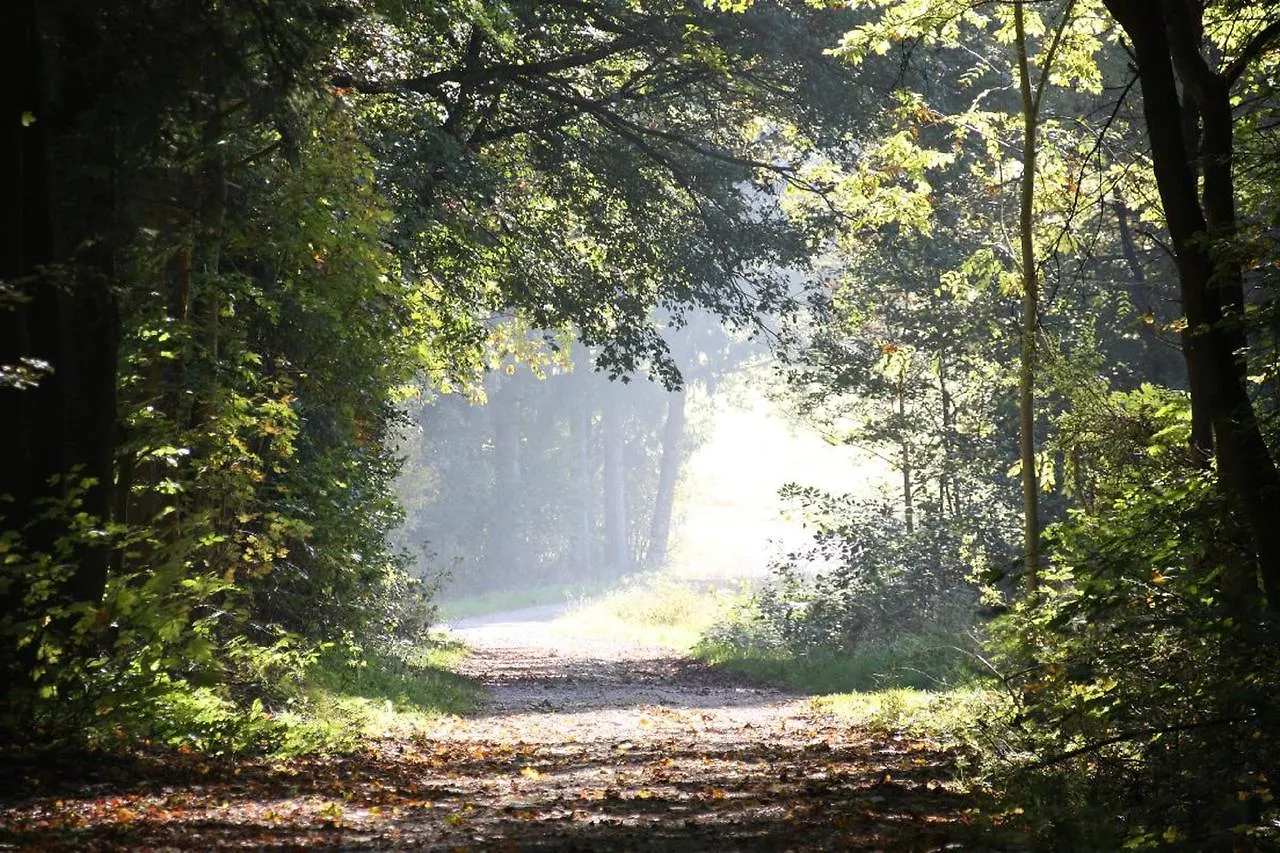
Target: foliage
263,338
1136,677
874,580
329,702
268,228
1143,657
248,233
884,607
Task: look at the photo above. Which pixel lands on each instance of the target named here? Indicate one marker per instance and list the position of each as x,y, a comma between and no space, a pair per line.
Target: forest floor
584,744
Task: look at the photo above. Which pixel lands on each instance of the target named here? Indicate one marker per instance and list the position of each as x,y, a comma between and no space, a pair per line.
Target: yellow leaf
530,773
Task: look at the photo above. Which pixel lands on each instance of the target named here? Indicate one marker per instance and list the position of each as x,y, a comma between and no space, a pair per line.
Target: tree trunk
905,459
668,475
60,318
506,529
948,486
1030,316
1165,37
583,523
617,553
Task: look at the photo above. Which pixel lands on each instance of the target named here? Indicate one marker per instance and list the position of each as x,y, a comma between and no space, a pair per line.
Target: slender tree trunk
617,553
1030,315
904,458
507,529
948,486
668,475
583,524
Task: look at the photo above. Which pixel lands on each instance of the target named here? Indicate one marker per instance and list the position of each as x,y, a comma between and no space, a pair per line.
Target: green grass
947,715
500,601
394,692
340,702
919,662
653,609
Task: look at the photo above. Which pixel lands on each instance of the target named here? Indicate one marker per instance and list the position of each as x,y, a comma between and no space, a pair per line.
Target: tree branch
1132,734
1256,46
488,76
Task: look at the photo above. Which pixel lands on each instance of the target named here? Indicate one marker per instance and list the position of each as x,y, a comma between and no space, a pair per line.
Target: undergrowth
922,662
341,698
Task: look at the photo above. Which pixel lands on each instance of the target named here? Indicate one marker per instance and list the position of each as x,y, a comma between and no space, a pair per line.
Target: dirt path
583,745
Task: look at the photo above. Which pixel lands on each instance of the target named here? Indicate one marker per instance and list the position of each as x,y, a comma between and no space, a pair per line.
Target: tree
587,163
1190,63
234,253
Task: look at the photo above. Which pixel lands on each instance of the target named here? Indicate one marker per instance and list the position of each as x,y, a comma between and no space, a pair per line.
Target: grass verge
343,699
654,609
923,686
948,715
921,662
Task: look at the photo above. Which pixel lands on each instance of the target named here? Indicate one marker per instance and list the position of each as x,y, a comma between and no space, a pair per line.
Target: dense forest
273,265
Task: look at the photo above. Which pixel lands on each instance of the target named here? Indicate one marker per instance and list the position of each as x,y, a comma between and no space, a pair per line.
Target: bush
894,608
1145,695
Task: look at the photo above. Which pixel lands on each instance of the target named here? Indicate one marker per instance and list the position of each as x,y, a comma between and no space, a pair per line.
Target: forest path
583,744
595,744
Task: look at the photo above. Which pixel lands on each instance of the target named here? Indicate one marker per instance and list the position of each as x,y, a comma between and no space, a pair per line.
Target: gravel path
603,745
547,685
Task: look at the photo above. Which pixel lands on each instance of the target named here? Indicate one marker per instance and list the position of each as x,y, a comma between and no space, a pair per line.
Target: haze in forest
521,493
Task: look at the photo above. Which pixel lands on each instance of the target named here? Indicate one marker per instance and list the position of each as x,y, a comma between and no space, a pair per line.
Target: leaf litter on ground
582,745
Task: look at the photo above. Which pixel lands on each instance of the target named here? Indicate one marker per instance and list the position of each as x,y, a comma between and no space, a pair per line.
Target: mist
570,479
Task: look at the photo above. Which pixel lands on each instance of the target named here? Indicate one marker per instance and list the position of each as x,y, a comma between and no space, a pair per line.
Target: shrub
1145,696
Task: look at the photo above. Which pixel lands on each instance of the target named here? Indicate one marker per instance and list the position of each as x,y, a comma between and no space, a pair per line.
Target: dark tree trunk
1167,48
